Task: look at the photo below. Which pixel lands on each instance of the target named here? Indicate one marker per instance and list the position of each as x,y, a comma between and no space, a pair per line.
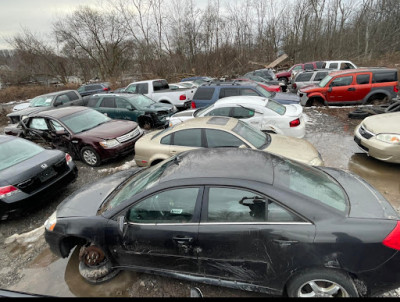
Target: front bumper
303,97
376,148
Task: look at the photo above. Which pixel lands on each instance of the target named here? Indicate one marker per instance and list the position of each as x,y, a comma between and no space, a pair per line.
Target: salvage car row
220,179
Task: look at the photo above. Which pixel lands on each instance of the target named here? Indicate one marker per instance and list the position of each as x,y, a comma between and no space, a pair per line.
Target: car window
382,77
219,138
56,125
38,123
160,85
304,77
248,91
203,93
320,75
308,66
93,101
298,67
238,205
166,140
189,138
72,96
320,64
240,112
223,111
257,138
131,88
142,88
333,65
172,206
363,79
121,103
276,107
63,98
225,92
342,81
108,102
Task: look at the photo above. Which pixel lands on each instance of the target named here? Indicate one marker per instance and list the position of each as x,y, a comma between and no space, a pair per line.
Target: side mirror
330,88
61,132
130,108
121,225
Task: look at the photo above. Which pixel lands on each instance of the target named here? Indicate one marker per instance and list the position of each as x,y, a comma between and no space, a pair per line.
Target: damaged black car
239,218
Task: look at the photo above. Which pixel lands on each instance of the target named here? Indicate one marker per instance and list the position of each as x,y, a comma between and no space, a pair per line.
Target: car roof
229,84
55,93
359,70
243,100
5,138
213,122
236,163
61,112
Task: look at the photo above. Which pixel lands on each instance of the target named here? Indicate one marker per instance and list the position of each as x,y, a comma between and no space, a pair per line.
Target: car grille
365,133
129,135
43,178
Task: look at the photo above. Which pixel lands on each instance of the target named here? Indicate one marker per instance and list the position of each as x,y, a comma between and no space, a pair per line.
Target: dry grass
18,93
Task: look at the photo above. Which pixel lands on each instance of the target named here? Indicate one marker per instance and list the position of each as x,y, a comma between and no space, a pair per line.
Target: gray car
306,78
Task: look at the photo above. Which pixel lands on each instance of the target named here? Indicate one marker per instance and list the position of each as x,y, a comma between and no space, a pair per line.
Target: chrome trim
225,223
128,136
365,133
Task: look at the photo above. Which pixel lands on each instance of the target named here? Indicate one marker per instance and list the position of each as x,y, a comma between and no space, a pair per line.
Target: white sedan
264,114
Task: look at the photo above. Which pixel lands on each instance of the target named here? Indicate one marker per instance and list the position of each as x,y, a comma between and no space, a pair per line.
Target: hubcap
90,157
321,288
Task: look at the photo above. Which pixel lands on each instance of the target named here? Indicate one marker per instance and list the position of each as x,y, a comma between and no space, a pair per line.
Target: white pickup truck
159,91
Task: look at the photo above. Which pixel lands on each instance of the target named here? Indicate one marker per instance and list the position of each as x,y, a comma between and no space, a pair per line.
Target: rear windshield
311,182
14,151
275,106
203,93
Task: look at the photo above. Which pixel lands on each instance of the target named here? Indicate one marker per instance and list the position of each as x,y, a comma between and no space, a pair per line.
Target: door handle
173,151
285,242
351,89
182,239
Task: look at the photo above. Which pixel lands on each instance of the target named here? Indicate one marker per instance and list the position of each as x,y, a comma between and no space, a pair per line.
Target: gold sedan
215,132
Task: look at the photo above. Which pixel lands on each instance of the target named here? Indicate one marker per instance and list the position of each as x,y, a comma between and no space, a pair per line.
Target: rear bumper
33,200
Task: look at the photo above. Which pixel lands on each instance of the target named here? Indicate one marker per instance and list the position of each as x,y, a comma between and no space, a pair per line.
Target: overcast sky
36,15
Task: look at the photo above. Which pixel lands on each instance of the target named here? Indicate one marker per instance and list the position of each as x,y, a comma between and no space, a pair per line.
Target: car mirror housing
61,132
121,225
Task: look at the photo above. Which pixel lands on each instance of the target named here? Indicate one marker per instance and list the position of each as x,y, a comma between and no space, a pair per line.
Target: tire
93,271
90,157
145,123
378,100
322,283
359,114
317,102
393,107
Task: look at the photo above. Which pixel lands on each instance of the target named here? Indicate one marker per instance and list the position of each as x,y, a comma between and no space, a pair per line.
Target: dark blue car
208,94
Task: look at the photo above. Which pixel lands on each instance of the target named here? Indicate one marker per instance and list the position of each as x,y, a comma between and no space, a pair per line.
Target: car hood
294,148
383,123
365,200
184,113
309,87
30,167
159,107
87,200
29,110
286,97
111,129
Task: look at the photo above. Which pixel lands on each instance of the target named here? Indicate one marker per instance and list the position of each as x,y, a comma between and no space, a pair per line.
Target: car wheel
378,100
322,283
317,102
359,114
90,157
145,123
94,266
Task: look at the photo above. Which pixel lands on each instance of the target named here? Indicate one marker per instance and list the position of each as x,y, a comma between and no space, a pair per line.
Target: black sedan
238,218
27,172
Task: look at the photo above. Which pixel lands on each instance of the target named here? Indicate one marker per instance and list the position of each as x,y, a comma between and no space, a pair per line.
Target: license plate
47,174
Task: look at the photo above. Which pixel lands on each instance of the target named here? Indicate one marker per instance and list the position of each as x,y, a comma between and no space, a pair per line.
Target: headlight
50,223
389,138
109,143
318,161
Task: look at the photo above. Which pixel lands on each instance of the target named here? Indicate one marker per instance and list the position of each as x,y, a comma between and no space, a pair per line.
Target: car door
125,110
341,89
108,107
363,86
161,231
245,236
247,114
38,130
62,139
185,140
219,138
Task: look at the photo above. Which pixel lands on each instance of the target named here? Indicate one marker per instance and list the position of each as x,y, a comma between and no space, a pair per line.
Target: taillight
182,97
294,85
8,191
396,89
294,123
393,239
193,105
106,89
68,158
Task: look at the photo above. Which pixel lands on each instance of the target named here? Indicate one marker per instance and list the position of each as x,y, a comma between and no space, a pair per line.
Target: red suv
355,86
286,76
